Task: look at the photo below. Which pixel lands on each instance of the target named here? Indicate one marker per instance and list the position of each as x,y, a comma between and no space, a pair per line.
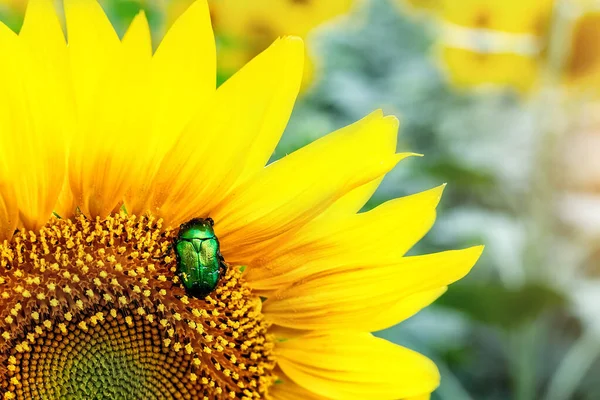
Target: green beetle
199,260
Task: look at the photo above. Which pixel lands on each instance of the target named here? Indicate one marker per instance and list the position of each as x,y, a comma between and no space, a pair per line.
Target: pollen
94,310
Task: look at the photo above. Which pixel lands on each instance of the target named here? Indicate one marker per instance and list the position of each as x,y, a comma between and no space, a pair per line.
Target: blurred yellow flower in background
245,28
468,68
92,305
512,16
582,69
492,43
497,43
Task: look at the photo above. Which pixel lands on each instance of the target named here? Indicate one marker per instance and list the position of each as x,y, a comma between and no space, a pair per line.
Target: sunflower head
269,298
97,303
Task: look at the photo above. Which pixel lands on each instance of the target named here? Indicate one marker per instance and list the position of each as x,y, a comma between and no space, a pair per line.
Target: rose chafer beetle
199,260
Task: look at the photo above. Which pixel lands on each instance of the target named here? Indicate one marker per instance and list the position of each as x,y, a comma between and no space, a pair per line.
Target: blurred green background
501,98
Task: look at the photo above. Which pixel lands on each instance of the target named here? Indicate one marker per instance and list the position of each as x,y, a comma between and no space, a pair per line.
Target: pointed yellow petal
294,190
138,40
65,206
352,202
355,240
100,153
45,42
353,365
112,122
426,396
35,126
42,30
405,308
182,79
358,297
138,54
283,85
280,332
184,69
93,44
9,210
209,156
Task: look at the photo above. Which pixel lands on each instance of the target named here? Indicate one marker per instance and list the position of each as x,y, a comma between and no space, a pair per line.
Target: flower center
94,309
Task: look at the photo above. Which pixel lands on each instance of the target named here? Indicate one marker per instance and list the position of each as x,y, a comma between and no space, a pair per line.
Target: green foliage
495,305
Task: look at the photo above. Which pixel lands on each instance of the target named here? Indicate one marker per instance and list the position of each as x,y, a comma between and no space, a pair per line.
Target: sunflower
492,43
245,28
468,68
107,148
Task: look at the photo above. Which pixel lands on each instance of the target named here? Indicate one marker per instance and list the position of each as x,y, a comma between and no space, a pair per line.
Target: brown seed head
93,309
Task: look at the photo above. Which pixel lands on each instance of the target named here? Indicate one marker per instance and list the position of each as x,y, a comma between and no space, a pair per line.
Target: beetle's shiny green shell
199,260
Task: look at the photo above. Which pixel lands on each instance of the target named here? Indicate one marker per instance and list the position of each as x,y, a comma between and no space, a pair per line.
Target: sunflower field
178,221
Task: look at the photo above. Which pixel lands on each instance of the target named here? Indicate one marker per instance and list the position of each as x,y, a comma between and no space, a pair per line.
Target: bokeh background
502,98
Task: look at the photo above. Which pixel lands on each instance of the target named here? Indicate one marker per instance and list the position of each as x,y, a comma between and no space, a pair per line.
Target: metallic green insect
199,260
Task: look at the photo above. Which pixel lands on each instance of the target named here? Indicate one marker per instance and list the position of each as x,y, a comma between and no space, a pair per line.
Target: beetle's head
197,228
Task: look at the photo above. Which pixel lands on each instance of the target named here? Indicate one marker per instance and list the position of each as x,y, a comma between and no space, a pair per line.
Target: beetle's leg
223,267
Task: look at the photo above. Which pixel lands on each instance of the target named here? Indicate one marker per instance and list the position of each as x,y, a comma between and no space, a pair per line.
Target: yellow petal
283,90
182,79
137,40
294,190
354,365
344,241
107,153
45,42
286,389
252,25
9,210
137,45
42,31
65,206
184,70
404,309
246,117
352,202
100,152
358,297
35,126
93,44
137,56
